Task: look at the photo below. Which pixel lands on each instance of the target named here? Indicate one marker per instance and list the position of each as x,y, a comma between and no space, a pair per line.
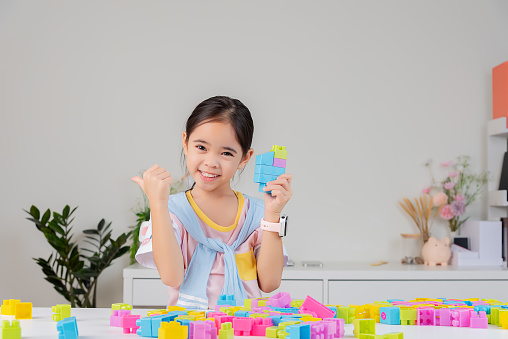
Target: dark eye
201,147
228,154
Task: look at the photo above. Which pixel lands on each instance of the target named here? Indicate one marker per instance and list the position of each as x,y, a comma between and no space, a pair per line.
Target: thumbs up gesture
156,184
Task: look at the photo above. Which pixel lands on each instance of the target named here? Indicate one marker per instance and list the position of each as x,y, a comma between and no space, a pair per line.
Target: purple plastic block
479,320
315,306
460,317
339,326
281,299
116,319
425,317
129,323
443,317
277,162
202,330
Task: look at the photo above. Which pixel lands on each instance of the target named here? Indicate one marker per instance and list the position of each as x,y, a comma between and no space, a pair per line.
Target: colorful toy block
243,326
360,312
281,299
61,311
364,326
339,326
443,317
11,330
67,328
479,320
408,316
389,315
269,166
115,320
298,331
260,325
460,317
23,311
9,306
425,317
347,313
173,330
502,318
226,299
202,330
120,306
226,331
129,323
316,307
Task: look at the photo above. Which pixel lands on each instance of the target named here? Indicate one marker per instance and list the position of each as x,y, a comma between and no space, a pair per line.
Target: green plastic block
271,332
364,326
61,311
226,331
394,335
11,330
280,152
297,303
347,313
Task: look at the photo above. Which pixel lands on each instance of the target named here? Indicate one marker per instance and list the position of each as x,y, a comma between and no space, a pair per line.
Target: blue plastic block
285,310
265,158
391,315
392,300
266,169
264,178
184,322
485,308
242,314
67,328
145,327
261,186
275,319
158,319
468,303
298,331
334,309
226,299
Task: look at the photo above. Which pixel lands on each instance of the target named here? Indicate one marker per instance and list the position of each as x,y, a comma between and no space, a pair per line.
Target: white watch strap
270,226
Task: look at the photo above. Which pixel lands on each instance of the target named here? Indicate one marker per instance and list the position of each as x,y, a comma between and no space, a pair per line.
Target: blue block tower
270,165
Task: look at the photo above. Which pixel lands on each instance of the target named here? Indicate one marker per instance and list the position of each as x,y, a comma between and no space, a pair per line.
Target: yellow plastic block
247,303
271,332
297,303
408,316
61,311
359,311
503,319
11,330
120,306
186,317
23,311
175,308
259,315
364,326
198,314
280,152
173,330
9,307
372,310
310,318
156,312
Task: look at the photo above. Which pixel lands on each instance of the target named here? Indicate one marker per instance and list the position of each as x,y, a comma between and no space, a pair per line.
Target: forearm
166,251
270,261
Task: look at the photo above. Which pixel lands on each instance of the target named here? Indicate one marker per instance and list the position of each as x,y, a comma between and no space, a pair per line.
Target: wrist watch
278,227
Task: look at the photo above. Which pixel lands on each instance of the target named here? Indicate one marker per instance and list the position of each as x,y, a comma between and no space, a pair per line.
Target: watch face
283,225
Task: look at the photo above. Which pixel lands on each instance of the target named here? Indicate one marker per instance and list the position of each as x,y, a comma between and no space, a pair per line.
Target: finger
287,177
281,182
138,181
154,167
276,188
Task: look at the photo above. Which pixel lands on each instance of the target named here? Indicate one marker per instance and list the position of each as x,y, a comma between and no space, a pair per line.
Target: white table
94,323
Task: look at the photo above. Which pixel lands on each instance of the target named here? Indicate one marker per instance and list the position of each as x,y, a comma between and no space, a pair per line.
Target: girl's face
214,155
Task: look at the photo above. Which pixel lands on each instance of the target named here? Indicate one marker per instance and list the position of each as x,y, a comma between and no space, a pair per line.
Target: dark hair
226,110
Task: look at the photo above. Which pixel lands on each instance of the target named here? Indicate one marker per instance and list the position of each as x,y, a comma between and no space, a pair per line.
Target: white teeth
208,175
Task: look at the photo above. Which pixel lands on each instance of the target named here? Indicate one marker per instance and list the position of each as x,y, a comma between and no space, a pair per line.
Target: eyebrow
224,147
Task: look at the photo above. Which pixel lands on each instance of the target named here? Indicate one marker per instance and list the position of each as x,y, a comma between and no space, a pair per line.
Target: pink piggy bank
436,252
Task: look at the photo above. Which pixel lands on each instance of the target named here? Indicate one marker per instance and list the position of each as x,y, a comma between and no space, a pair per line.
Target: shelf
498,198
497,127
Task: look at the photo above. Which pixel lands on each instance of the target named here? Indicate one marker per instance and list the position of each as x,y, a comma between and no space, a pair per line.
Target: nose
211,161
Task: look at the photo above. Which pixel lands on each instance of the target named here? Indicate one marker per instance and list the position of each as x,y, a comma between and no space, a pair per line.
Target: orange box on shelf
500,91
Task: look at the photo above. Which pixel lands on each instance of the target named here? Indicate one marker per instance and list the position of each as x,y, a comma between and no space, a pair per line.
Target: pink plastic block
116,319
445,318
339,326
260,309
243,325
129,323
315,306
281,299
260,325
278,162
460,317
425,317
215,314
202,330
219,320
302,311
479,320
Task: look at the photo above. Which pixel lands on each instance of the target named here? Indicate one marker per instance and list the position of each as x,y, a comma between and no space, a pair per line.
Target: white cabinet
352,283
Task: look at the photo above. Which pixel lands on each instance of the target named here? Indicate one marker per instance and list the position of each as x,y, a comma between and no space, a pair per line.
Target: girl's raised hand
156,183
281,193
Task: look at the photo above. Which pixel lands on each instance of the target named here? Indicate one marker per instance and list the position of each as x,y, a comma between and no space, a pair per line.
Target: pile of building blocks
20,310
270,165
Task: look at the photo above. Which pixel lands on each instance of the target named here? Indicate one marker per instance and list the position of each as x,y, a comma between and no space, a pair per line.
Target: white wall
361,93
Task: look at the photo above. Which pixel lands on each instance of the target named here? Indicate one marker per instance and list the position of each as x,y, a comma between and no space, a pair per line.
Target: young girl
208,241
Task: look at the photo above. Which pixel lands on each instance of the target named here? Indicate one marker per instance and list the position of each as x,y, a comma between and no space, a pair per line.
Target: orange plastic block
23,311
500,91
9,307
173,330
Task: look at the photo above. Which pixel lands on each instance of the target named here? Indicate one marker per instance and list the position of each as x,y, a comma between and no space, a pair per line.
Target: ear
246,159
184,143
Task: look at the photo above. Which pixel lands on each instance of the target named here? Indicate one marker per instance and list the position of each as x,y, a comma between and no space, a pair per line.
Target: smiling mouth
208,175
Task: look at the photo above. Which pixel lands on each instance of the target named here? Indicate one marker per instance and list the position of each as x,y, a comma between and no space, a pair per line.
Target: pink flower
446,212
459,197
458,208
439,199
447,163
426,190
449,185
453,174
